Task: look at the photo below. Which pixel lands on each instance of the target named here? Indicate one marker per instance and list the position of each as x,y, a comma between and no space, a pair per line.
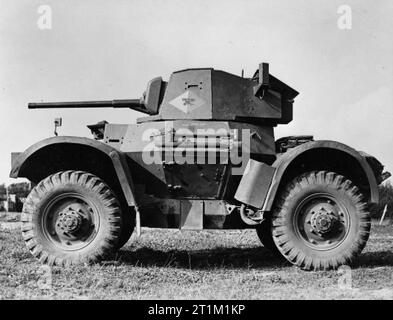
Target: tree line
385,198
14,194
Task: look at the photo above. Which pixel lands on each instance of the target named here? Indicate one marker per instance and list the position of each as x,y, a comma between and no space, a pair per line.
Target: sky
110,49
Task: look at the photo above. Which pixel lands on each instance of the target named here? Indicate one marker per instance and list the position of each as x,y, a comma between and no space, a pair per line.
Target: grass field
171,264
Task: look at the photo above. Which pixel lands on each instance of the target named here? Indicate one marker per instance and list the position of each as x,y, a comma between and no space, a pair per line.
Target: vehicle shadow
231,258
203,259
374,259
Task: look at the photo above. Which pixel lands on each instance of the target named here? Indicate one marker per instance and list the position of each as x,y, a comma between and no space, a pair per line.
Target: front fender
22,163
19,159
250,194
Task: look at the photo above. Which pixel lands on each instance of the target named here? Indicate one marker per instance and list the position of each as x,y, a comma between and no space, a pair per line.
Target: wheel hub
323,219
70,221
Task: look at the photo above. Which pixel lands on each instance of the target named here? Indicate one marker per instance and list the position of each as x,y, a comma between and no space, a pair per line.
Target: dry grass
170,264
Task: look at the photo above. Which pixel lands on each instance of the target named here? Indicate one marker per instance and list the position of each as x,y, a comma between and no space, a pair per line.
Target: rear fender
260,183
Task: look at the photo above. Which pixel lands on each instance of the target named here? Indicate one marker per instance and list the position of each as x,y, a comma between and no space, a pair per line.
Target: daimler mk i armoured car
204,157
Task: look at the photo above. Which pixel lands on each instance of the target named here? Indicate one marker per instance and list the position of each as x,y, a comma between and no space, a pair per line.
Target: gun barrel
136,104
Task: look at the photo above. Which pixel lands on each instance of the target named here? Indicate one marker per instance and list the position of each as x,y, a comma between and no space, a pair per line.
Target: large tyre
320,221
264,232
128,225
71,217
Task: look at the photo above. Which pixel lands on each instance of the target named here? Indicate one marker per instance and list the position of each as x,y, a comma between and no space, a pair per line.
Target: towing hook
251,216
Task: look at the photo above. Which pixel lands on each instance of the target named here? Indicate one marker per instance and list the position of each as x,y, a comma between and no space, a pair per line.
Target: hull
186,172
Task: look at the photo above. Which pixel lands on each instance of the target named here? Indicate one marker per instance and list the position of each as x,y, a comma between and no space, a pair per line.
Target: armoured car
204,157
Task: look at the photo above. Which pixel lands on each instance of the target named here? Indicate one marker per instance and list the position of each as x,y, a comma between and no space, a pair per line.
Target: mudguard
258,174
19,160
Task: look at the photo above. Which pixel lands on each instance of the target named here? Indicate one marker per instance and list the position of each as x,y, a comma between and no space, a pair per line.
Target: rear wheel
71,217
320,221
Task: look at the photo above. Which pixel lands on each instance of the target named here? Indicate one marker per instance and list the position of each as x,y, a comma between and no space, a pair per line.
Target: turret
206,94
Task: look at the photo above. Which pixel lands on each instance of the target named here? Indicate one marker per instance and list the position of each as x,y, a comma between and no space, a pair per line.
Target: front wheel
320,221
71,217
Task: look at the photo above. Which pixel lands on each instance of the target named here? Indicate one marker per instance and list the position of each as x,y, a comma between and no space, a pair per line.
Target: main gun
135,104
149,103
